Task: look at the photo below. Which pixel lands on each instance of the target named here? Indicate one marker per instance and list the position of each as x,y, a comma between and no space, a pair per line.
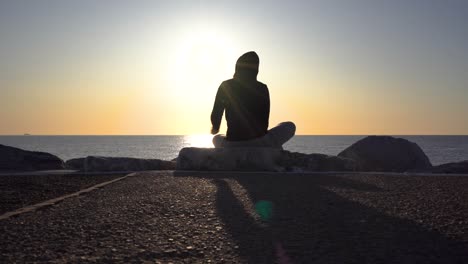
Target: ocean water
439,149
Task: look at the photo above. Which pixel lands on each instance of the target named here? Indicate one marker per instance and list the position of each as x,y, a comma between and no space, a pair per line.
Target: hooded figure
245,100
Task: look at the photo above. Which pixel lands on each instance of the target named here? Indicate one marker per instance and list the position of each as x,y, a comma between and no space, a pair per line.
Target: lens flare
264,209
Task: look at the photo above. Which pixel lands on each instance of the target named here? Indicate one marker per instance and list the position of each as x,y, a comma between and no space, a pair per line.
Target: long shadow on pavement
301,221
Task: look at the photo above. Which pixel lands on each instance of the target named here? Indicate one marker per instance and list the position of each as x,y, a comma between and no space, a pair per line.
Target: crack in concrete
41,205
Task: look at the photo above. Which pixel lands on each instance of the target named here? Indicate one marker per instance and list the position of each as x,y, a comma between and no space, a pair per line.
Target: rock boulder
453,167
385,153
15,159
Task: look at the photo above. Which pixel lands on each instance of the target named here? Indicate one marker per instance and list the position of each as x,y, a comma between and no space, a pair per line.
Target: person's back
247,105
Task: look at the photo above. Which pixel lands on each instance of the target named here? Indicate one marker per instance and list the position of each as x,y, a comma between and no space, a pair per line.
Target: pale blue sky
382,67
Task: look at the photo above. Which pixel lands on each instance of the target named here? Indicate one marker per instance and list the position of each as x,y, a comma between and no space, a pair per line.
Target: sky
350,67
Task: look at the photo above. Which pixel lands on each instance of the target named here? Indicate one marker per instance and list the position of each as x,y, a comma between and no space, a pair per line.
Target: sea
439,149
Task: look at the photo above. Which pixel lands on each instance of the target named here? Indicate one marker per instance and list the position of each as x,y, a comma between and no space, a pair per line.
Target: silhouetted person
247,105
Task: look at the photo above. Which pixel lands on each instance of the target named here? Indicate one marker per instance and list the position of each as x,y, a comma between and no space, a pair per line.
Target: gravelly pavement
254,218
17,191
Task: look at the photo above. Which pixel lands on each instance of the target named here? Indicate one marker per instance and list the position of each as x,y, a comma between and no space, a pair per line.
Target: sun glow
198,62
202,59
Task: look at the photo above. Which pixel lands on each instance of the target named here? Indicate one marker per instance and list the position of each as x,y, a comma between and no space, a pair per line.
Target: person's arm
268,107
218,109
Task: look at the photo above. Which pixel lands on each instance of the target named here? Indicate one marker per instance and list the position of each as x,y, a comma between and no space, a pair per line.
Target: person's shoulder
227,83
262,85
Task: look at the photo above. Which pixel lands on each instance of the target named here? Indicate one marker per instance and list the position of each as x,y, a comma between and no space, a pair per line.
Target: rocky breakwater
371,154
15,159
258,159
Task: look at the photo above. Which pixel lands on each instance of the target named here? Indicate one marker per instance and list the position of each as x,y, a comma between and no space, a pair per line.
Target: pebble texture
50,202
18,191
100,164
201,217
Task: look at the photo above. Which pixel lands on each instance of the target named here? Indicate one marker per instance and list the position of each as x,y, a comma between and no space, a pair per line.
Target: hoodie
245,100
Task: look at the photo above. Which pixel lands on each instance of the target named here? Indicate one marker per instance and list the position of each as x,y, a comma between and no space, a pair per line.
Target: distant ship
26,134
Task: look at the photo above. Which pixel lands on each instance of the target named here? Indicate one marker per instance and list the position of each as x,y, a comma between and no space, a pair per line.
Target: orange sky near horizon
153,67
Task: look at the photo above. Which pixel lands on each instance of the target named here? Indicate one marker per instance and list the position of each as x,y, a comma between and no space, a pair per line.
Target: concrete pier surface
230,217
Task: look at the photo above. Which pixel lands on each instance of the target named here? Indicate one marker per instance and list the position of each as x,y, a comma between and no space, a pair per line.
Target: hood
247,67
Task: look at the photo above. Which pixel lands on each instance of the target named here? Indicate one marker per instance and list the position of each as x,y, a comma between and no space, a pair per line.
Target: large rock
228,159
23,160
96,164
258,159
384,153
453,167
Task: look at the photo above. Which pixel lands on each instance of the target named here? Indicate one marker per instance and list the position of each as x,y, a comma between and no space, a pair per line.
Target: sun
202,57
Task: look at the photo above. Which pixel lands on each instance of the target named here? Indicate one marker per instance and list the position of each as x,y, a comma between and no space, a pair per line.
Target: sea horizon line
195,134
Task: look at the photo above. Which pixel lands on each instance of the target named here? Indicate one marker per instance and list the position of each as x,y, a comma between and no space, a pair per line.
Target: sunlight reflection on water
199,141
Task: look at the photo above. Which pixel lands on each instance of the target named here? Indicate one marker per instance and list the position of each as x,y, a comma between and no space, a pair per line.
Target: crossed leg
275,138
